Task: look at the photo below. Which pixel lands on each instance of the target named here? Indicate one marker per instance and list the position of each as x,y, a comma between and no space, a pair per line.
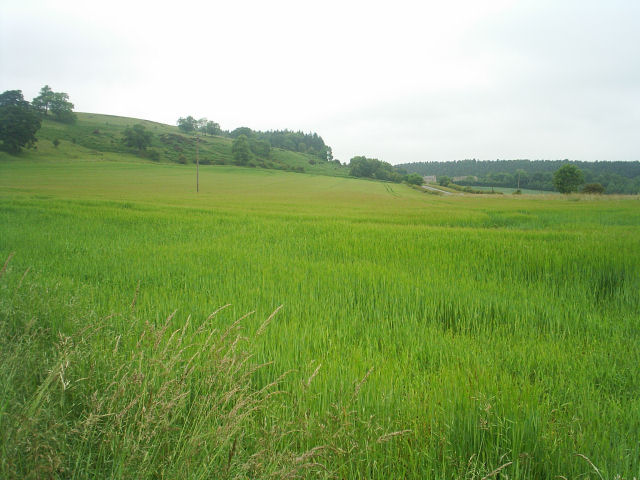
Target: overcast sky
401,81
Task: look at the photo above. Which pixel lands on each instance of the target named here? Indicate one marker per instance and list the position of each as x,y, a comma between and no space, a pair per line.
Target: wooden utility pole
197,165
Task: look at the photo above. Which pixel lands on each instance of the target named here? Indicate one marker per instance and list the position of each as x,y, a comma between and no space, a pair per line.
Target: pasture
421,336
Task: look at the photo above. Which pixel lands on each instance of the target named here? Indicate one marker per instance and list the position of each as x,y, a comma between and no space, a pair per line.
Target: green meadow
417,336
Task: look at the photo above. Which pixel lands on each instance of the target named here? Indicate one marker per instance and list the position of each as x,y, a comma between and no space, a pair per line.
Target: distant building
429,178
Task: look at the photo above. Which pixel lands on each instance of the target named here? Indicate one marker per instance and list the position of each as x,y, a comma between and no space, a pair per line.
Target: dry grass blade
6,263
313,375
310,454
184,329
359,386
115,349
590,463
232,452
160,333
234,325
496,471
264,325
218,310
388,436
135,297
23,277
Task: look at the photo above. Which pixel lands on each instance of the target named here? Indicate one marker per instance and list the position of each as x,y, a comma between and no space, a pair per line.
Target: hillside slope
100,136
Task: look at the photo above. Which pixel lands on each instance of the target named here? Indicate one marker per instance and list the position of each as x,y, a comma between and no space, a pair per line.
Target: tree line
615,177
361,166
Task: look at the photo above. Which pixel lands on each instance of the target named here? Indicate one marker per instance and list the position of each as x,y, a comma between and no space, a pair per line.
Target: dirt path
433,189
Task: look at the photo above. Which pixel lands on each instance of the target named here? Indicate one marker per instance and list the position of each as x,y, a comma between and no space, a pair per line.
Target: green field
421,336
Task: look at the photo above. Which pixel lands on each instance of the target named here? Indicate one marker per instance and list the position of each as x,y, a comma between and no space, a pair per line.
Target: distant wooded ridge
616,177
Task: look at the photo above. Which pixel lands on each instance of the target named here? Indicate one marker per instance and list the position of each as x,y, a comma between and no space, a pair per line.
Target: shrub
414,179
444,180
593,188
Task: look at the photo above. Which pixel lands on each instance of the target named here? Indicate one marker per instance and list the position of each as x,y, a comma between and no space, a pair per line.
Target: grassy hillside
424,336
100,136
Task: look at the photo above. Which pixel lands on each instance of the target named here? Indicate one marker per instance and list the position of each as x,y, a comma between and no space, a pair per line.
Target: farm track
433,189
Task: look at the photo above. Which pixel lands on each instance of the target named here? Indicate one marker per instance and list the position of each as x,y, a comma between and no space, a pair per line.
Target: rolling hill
100,136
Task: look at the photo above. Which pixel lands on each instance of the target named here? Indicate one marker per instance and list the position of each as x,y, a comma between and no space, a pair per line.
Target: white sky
402,81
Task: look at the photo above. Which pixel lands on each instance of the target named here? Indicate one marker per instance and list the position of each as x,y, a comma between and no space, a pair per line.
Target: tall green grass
499,333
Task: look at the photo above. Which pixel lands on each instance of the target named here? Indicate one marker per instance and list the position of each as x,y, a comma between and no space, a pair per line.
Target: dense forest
615,177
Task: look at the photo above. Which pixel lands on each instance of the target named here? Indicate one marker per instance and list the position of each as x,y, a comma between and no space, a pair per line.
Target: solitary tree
18,122
568,178
137,137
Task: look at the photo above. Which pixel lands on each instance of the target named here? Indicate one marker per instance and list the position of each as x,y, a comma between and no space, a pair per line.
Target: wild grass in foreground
502,331
152,402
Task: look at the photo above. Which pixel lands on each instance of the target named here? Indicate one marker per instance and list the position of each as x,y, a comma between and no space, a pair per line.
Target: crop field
416,336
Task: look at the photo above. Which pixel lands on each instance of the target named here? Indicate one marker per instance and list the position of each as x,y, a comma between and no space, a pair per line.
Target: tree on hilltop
62,108
42,102
55,102
246,131
203,125
188,124
568,178
212,128
18,122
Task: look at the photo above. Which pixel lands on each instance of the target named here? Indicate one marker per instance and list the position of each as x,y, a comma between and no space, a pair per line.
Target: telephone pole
197,165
